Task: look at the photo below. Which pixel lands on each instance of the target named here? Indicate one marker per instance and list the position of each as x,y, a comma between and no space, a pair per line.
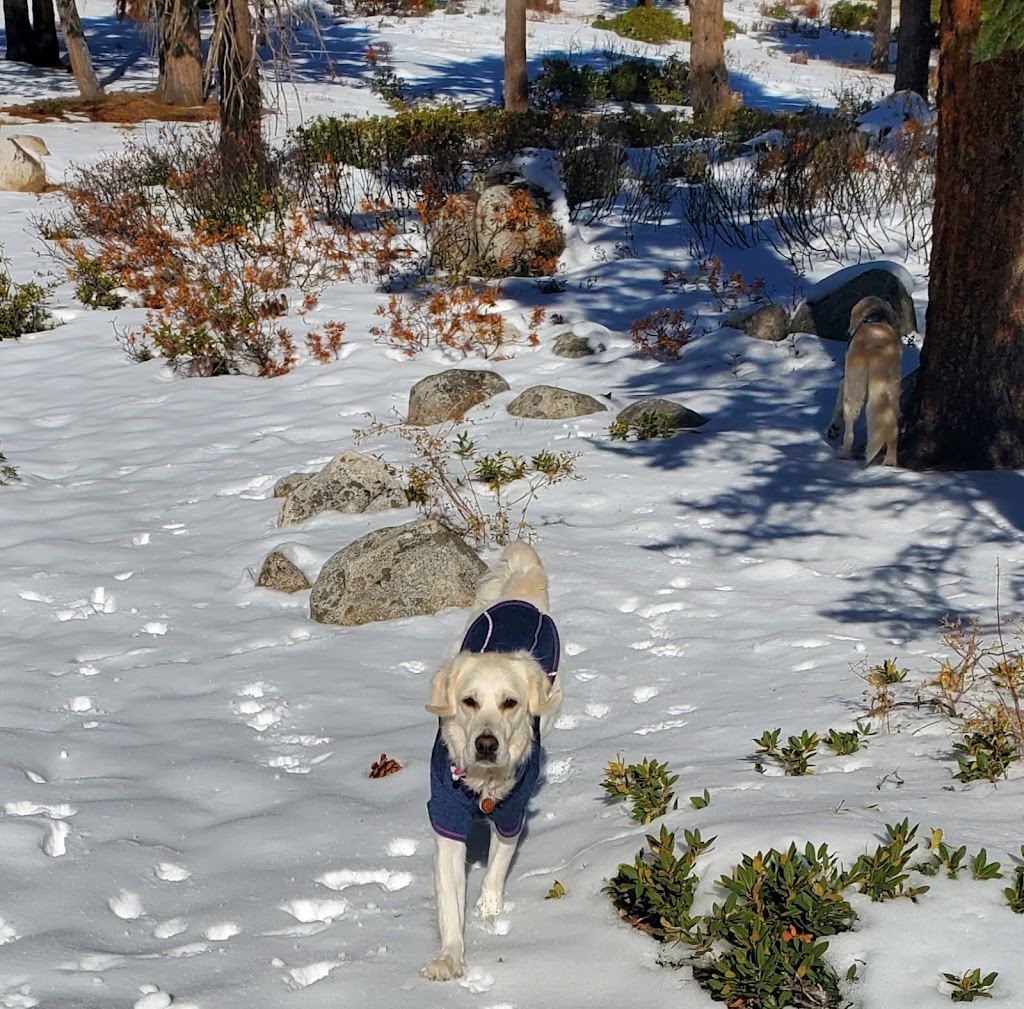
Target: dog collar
486,803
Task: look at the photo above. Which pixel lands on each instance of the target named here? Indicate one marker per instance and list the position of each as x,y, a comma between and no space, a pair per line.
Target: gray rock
351,483
498,229
288,483
766,322
282,574
21,163
570,345
402,571
676,414
829,316
450,394
545,402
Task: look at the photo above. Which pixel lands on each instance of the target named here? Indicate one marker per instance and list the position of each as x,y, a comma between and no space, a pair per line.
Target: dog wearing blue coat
494,701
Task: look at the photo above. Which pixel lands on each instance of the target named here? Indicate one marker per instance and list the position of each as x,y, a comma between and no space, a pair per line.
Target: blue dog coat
508,626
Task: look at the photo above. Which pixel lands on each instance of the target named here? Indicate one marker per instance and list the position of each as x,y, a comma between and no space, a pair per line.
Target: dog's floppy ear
542,695
442,692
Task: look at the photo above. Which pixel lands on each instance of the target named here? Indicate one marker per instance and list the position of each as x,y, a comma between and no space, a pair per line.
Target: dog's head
872,309
487,703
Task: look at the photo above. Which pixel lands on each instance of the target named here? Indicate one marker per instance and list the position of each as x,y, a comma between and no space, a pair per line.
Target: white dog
486,760
872,373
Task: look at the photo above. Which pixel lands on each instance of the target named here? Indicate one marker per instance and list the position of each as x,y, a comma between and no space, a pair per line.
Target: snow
187,817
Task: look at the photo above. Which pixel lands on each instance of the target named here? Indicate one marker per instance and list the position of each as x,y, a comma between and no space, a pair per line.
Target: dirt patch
122,107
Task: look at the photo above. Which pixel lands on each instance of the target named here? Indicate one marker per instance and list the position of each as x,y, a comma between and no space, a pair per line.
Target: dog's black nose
486,746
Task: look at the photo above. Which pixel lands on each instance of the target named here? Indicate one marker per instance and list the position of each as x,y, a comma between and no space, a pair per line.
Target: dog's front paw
445,968
834,431
489,906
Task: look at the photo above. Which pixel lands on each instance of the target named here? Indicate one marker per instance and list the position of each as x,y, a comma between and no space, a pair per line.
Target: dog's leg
877,440
450,893
492,892
835,426
853,401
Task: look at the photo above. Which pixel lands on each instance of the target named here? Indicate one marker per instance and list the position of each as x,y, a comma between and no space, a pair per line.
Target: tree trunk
709,80
18,30
44,24
879,60
517,84
181,58
913,46
78,50
31,41
968,407
241,103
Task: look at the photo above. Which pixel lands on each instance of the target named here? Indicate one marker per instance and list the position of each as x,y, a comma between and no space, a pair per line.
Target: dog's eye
470,702
508,704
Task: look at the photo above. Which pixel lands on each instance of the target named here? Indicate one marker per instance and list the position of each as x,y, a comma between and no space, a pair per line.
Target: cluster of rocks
420,567
827,314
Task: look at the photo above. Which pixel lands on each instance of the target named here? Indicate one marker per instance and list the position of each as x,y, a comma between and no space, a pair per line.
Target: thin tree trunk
78,50
968,407
879,60
181,58
241,103
18,31
517,83
709,80
913,46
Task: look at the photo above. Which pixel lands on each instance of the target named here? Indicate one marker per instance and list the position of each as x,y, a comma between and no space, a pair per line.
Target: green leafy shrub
1015,894
851,16
971,985
986,750
562,83
647,786
884,875
778,907
794,756
95,286
656,892
8,474
446,478
647,425
843,743
655,25
21,308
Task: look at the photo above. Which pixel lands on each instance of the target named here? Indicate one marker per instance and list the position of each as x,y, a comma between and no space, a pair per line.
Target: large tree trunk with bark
18,30
968,407
879,60
44,25
241,103
517,83
181,57
78,50
31,41
709,80
914,46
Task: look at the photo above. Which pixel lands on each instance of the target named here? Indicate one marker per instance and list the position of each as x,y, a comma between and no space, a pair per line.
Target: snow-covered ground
185,811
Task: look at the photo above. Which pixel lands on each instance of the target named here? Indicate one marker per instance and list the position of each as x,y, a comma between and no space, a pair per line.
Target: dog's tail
517,574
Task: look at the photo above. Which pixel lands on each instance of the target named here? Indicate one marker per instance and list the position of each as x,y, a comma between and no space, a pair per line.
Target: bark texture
913,46
968,408
78,50
241,141
879,60
709,80
181,58
517,84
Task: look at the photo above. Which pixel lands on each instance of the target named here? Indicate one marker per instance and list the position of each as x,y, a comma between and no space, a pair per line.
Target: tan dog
493,701
872,374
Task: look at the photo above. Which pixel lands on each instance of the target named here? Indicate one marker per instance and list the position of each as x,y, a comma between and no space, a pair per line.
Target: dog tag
487,805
